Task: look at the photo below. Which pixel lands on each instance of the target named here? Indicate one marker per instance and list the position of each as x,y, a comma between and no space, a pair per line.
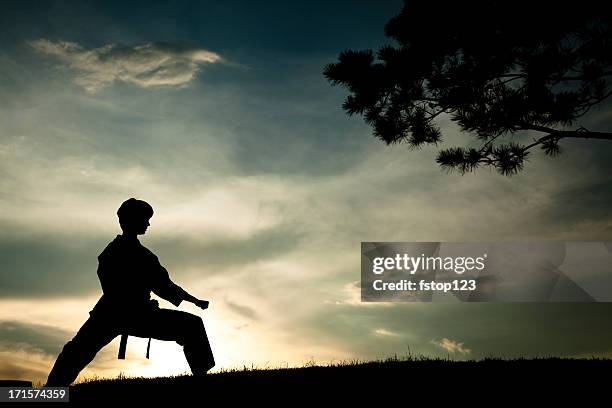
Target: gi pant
163,324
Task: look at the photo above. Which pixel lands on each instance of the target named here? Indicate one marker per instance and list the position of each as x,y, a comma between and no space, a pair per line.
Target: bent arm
170,291
165,288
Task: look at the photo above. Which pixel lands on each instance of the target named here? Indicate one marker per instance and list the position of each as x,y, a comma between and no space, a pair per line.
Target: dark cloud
214,257
297,114
590,201
20,370
236,24
16,336
47,265
242,310
505,330
34,347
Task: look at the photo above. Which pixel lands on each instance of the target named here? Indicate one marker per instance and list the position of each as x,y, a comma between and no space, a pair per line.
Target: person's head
134,216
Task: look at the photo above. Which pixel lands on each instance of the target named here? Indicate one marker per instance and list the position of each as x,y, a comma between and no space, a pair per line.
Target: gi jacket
128,273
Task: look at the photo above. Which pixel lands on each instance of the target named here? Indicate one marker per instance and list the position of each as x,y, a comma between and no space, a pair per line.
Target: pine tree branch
580,133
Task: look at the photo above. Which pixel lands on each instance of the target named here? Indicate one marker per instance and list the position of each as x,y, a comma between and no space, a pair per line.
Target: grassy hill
435,379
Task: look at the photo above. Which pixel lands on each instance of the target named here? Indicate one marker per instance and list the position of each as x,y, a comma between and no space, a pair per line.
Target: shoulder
110,249
119,247
148,253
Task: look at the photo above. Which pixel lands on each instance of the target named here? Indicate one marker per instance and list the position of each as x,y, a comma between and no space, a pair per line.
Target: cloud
242,310
385,333
21,365
60,264
144,65
42,266
451,346
28,350
27,337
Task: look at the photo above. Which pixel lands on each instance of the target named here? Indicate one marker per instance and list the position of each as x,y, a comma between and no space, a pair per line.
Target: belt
123,346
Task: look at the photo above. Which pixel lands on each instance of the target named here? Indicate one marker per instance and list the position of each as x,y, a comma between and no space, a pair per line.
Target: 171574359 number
8,394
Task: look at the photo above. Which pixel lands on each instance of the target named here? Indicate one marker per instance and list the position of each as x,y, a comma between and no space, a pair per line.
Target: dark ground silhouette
490,381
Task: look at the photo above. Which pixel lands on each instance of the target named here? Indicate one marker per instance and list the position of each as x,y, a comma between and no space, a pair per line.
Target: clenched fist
202,304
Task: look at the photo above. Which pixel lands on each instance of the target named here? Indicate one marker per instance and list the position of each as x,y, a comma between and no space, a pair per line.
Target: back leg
80,351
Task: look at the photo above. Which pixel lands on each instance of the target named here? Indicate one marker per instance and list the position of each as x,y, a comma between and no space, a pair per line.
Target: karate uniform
128,273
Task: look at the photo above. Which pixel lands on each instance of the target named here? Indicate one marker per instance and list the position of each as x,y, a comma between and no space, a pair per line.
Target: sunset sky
218,115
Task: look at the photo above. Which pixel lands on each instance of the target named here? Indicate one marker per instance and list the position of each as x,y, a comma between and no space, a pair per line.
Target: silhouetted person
129,272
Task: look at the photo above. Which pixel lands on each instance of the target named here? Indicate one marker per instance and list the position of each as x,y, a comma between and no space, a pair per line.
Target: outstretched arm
173,293
202,304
